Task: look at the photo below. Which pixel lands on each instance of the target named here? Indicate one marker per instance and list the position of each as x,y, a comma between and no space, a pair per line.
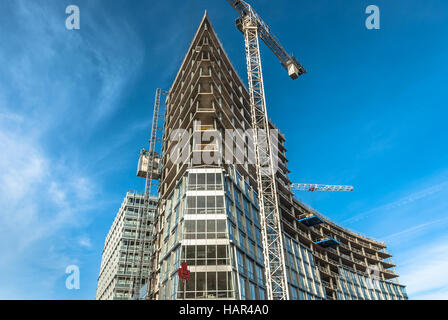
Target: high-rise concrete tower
208,212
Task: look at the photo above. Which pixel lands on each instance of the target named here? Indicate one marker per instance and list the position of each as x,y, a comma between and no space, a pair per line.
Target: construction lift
253,27
148,167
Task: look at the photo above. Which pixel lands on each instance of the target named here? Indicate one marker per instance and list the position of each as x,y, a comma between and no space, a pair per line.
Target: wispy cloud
424,271
36,200
57,87
415,229
406,200
85,242
56,72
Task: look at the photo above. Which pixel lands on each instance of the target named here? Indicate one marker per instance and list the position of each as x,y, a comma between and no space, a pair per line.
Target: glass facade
211,222
303,276
245,234
353,285
202,241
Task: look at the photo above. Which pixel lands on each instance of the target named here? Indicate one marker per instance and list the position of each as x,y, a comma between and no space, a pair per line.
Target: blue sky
75,108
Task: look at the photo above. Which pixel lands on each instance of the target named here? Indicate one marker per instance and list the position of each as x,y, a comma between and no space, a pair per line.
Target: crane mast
253,27
274,259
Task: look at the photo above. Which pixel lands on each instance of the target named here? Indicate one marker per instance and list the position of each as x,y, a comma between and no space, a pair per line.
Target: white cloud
85,242
62,76
35,200
441,294
424,271
56,85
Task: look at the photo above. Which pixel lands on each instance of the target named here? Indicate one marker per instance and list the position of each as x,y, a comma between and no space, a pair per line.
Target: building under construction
126,252
208,213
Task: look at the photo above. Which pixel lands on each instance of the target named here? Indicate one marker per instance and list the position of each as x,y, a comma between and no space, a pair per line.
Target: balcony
321,256
328,285
371,256
335,262
346,257
324,270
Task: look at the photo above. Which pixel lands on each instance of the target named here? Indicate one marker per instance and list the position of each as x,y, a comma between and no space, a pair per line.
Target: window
288,244
205,204
259,272
231,231
206,285
293,293
242,240
249,228
242,289
303,284
260,257
228,187
252,291
205,181
291,261
258,236
240,262
222,254
304,255
250,269
229,208
261,293
251,246
237,197
206,255
294,277
255,216
246,208
240,219
200,284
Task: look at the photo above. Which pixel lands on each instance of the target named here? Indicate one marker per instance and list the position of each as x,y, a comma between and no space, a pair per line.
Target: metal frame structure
252,26
274,260
318,187
144,216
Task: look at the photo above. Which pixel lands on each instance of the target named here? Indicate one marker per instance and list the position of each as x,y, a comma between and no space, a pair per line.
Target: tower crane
253,27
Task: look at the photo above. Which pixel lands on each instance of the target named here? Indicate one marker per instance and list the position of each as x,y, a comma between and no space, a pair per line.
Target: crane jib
294,68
